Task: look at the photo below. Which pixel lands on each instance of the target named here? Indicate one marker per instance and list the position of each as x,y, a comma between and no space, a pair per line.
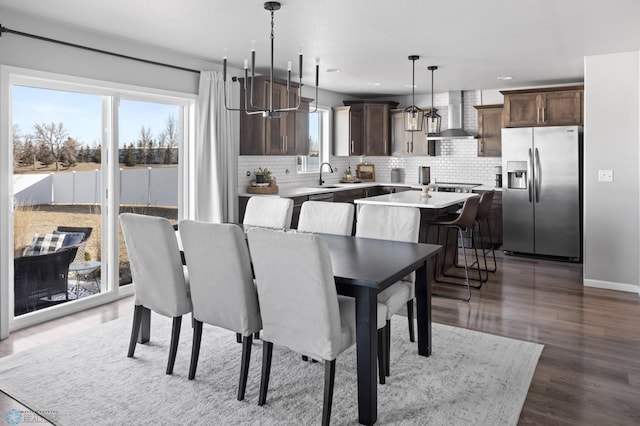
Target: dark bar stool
460,223
484,211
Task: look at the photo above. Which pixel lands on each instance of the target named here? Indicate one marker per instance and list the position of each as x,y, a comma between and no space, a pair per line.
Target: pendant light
433,118
413,116
268,111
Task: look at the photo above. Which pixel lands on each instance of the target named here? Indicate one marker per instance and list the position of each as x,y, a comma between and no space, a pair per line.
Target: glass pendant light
413,116
433,118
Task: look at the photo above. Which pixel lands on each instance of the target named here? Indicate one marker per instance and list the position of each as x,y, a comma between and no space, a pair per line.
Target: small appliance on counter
424,175
396,175
498,172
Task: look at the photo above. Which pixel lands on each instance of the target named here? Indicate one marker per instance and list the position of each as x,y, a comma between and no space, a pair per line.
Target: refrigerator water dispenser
517,174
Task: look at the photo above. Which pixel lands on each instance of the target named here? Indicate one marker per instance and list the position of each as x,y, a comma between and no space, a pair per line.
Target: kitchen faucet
320,181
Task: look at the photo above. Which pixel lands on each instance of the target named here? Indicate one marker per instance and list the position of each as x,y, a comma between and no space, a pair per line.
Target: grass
45,218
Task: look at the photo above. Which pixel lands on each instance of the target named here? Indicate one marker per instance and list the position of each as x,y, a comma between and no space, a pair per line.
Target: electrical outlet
605,175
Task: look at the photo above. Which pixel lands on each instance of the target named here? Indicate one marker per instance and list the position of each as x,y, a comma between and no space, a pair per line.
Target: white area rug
471,378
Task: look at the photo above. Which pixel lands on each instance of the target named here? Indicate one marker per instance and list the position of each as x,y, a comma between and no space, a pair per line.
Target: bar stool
484,211
462,222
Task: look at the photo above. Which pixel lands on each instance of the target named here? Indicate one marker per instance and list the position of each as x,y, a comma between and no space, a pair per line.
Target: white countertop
298,191
438,200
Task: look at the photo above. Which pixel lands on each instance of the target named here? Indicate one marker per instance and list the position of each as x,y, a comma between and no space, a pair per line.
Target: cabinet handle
481,146
412,147
407,147
286,143
351,146
543,119
538,115
283,150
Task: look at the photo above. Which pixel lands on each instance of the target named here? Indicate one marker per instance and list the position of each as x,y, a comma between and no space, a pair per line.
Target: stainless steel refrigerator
542,191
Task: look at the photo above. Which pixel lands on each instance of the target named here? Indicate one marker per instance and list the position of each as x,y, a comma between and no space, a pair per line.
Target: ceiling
536,42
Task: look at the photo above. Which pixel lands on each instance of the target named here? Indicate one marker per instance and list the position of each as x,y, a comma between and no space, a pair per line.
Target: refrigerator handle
529,170
537,176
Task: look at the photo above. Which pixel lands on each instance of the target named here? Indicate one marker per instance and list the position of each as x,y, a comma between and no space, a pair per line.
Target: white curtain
216,161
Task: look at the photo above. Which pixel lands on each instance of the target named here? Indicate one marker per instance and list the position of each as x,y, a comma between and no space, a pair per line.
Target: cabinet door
276,128
376,129
299,144
562,108
341,131
490,131
252,127
521,110
400,140
356,130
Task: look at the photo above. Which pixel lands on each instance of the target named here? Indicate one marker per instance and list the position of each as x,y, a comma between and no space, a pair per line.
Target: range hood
454,119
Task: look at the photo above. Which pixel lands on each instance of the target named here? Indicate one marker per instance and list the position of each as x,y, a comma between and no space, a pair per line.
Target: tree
129,156
170,137
68,153
144,141
53,136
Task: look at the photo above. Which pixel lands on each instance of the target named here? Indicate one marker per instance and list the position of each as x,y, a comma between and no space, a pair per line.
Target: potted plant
263,175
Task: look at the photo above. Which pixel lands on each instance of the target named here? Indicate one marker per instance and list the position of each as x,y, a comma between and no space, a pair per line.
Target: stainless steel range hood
455,130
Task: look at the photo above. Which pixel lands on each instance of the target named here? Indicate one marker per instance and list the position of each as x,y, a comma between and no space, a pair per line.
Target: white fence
149,187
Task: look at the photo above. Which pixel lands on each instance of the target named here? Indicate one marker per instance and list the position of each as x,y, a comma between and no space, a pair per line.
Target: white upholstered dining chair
299,304
269,212
218,260
398,224
326,217
160,280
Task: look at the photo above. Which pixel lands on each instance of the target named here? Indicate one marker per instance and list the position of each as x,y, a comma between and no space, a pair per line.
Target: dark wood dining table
363,267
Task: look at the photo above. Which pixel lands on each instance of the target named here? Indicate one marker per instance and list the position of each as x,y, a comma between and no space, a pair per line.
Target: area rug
471,378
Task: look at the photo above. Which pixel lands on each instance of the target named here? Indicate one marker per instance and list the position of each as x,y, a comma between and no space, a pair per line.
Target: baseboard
629,288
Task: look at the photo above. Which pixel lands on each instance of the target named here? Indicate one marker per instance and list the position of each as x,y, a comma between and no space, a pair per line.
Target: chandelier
268,111
413,116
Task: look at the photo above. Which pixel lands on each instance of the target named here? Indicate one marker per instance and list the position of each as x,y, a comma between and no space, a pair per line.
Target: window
318,142
75,142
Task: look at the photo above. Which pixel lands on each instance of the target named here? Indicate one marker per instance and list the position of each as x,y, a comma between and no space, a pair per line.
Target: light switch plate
605,175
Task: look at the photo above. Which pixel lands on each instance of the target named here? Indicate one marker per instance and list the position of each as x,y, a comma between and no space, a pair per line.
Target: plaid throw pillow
45,243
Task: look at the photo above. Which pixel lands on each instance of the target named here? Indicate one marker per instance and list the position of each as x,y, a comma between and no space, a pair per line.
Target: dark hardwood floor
589,370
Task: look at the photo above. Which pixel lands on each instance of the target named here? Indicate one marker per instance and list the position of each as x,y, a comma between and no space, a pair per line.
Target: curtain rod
91,49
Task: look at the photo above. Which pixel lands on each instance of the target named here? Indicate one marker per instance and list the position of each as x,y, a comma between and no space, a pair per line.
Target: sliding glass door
78,150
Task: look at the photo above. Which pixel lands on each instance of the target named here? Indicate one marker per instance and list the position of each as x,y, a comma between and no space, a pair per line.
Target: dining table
363,267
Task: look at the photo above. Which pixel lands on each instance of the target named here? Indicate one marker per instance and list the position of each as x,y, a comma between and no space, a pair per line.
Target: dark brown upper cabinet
552,106
490,130
362,128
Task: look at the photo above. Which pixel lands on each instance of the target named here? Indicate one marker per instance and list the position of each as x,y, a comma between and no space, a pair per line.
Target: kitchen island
438,204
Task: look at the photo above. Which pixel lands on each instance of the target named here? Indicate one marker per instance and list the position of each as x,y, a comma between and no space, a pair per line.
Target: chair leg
175,337
329,377
382,353
493,251
195,348
247,341
238,338
387,344
135,329
412,337
267,351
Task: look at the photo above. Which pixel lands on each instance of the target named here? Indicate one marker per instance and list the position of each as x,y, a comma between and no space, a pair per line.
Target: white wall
611,139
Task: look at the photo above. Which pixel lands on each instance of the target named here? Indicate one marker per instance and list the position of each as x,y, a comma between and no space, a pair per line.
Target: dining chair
218,260
160,280
268,211
299,304
482,217
326,217
394,223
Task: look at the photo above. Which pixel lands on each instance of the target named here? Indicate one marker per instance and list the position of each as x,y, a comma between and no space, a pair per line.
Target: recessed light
409,86
333,70
373,84
505,77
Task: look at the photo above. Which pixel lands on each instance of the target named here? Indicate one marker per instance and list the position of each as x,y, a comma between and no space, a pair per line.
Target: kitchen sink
329,186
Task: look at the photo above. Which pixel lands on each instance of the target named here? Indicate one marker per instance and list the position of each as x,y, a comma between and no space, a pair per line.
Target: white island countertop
438,200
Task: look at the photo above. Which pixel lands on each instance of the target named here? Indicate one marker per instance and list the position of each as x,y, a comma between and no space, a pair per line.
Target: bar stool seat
462,222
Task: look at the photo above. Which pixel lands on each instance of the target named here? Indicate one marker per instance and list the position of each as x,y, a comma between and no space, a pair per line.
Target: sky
81,114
